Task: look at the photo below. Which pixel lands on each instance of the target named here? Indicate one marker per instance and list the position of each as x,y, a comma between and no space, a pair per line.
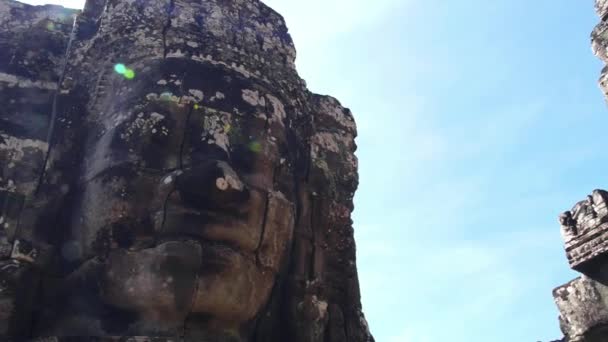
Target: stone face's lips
133,278
212,226
216,256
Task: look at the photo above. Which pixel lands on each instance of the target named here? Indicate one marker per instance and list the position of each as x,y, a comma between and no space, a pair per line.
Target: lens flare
120,69
255,146
129,74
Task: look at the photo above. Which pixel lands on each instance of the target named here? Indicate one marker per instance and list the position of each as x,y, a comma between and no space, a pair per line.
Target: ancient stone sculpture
166,174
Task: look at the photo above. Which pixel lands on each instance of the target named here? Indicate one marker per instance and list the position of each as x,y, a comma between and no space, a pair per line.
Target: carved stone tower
583,303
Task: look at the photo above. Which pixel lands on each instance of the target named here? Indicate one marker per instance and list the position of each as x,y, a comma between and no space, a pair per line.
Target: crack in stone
170,9
241,27
185,137
165,205
268,113
313,247
194,297
344,325
100,84
263,233
49,137
275,173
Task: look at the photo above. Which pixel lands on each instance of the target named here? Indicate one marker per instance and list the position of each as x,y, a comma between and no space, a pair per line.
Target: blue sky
479,122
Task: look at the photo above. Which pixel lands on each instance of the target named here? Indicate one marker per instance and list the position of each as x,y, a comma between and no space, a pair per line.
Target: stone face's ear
13,273
325,298
11,205
18,286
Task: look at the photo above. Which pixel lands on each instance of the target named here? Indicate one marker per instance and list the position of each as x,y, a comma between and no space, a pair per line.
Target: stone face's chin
183,278
166,273
231,286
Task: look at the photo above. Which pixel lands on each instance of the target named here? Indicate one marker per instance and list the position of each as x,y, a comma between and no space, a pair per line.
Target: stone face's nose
212,185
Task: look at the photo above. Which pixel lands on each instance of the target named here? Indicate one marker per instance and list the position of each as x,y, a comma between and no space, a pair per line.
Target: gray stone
583,309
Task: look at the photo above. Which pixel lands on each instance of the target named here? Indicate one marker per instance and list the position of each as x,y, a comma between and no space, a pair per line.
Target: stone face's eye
243,158
209,187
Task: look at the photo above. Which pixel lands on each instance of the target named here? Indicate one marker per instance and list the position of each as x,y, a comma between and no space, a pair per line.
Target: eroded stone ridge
166,174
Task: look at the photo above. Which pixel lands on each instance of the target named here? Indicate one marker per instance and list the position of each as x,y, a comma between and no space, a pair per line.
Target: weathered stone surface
583,306
169,176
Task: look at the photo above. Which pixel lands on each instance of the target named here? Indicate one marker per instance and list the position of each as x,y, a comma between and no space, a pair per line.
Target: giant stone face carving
192,187
190,201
